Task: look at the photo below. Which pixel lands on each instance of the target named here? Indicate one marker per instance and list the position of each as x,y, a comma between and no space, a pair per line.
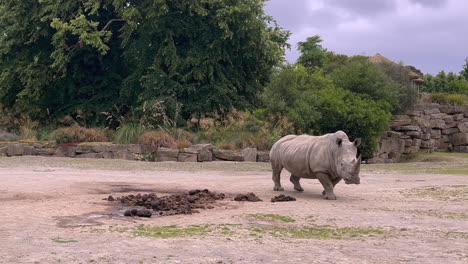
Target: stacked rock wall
195,153
430,127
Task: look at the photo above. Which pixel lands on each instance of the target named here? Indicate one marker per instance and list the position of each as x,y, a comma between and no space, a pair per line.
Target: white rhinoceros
328,158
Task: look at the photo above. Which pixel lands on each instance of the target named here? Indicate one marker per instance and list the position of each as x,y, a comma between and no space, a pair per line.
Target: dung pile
250,197
282,198
172,204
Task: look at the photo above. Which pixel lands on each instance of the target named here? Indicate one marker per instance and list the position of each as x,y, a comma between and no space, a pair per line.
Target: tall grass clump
157,139
449,99
128,134
77,134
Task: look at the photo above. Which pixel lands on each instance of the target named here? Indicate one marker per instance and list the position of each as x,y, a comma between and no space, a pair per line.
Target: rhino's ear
339,141
357,142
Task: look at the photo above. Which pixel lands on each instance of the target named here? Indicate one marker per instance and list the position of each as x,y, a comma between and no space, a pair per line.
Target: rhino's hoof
329,197
299,189
279,189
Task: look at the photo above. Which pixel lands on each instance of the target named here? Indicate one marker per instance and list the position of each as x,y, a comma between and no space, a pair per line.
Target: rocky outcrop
429,127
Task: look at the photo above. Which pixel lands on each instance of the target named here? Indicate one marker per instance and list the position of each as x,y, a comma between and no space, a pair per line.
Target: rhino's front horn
357,167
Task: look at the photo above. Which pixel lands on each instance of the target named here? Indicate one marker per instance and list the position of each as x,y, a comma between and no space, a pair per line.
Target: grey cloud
364,7
430,3
289,14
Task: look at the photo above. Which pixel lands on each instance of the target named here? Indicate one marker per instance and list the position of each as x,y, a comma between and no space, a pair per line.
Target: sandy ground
52,211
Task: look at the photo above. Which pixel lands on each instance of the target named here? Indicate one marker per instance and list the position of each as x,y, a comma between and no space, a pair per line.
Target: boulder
3,151
15,149
263,156
45,152
463,149
408,128
250,154
135,148
204,152
438,116
413,134
90,156
450,131
228,155
50,144
416,143
416,113
167,154
437,123
394,134
427,144
463,127
408,142
457,117
458,139
188,155
409,150
401,120
435,133
65,151
426,136
392,145
83,149
448,119
431,111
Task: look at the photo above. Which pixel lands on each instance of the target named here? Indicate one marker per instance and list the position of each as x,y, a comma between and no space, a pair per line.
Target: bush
5,136
157,139
357,115
128,134
77,134
182,143
450,99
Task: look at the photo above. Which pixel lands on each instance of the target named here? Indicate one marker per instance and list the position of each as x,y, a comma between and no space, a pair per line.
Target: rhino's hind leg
334,182
297,185
277,177
327,185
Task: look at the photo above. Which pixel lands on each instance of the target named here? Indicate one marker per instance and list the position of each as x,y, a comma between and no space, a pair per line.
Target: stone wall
195,153
429,127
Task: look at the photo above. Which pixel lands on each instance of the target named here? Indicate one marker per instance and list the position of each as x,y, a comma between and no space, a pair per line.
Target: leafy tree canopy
57,57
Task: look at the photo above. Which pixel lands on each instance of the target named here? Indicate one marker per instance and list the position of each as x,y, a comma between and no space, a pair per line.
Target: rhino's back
302,155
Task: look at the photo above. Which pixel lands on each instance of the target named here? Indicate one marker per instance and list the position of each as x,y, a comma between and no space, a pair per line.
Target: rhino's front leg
334,182
327,185
297,185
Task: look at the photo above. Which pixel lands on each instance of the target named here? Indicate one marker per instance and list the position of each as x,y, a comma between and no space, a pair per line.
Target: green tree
362,77
464,71
58,57
293,93
357,115
312,53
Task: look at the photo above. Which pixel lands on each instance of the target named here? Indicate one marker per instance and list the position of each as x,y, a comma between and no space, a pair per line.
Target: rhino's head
348,160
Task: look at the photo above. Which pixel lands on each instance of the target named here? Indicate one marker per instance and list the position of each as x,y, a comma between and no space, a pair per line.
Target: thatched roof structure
380,59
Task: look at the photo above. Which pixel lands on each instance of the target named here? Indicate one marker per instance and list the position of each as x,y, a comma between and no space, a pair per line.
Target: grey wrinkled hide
328,158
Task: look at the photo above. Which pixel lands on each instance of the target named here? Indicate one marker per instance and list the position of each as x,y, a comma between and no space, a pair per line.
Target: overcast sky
431,35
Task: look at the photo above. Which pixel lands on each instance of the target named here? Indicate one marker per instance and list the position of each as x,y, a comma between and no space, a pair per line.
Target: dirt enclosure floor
52,210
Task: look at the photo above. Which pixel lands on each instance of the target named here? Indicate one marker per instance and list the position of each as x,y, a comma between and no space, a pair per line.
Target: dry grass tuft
157,139
77,134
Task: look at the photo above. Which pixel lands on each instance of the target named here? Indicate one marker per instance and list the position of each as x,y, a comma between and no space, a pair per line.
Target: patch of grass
60,240
319,232
170,231
463,235
446,193
128,134
76,133
281,218
434,213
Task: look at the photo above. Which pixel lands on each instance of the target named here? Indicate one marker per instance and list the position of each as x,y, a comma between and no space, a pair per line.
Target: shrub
357,115
128,134
76,134
450,99
5,136
157,139
182,143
